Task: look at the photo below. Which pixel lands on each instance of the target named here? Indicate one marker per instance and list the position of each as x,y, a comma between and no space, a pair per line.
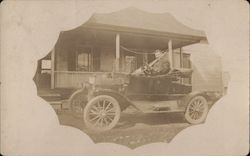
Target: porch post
117,52
53,68
181,59
170,53
181,64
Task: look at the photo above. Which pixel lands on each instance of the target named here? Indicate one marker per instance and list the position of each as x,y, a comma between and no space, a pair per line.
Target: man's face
158,54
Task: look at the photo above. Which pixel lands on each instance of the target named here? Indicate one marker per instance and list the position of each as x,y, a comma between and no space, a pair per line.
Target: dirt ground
133,129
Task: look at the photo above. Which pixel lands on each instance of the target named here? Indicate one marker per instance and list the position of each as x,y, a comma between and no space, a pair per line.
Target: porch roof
135,20
137,29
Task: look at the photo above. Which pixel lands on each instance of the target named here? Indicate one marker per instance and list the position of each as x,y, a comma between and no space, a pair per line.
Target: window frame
90,57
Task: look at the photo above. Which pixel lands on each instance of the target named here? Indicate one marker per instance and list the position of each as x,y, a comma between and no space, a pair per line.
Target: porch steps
59,105
57,98
54,94
51,96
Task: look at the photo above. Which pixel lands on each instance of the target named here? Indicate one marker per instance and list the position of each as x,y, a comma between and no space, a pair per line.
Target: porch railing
73,79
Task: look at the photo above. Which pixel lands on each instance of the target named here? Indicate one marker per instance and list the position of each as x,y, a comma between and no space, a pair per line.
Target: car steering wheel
147,70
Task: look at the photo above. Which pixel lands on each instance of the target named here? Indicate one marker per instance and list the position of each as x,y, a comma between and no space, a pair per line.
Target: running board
157,106
170,111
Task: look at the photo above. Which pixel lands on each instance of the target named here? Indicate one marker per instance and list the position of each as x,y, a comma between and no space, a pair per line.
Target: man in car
161,65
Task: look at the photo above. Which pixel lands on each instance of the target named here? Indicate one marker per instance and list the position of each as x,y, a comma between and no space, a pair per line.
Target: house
120,42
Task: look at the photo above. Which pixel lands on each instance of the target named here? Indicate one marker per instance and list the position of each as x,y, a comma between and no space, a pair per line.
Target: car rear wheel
197,109
102,113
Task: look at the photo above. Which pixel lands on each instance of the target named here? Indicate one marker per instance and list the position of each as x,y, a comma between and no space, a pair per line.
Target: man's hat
158,53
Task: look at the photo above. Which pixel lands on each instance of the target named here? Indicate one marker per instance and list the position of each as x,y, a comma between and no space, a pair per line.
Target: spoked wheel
77,102
197,110
102,113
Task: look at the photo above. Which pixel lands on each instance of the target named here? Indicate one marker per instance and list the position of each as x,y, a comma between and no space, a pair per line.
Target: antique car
103,98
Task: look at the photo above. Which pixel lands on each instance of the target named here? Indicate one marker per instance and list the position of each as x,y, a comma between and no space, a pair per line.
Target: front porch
117,42
107,51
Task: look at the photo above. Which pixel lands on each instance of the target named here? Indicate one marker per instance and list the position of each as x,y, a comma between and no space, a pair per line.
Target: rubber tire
204,114
93,101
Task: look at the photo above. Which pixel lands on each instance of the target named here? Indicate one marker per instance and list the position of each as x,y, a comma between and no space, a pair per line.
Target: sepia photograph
123,75
109,78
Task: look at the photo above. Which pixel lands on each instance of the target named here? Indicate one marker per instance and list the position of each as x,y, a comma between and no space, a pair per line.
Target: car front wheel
197,109
102,113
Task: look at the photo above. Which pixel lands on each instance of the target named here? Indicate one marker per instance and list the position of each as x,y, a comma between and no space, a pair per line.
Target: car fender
124,102
185,100
77,92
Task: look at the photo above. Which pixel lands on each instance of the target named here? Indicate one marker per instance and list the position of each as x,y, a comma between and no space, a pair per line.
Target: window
186,63
130,64
83,59
182,62
82,62
45,66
